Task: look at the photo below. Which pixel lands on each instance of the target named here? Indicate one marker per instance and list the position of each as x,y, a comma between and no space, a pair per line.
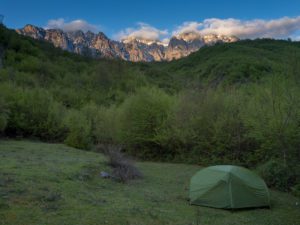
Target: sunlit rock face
59,39
144,50
184,44
129,49
33,31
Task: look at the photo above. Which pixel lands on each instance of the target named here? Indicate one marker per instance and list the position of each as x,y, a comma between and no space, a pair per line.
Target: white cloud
72,25
276,28
165,41
186,27
143,31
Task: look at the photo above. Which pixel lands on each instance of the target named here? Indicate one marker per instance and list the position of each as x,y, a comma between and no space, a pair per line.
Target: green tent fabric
228,187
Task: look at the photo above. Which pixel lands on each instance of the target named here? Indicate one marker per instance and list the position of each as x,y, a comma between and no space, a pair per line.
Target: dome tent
228,187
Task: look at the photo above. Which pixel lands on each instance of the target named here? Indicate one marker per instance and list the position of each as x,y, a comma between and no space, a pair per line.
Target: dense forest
236,103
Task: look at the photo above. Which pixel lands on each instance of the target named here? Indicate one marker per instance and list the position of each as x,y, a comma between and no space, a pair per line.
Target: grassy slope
54,184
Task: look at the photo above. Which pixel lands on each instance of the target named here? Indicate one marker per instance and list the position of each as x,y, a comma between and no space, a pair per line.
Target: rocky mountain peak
130,48
214,38
189,36
32,31
130,39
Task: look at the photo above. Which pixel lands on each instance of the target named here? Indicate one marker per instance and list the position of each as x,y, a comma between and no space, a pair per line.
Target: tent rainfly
228,187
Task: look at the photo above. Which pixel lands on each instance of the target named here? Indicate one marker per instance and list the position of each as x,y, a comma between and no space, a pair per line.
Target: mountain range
129,49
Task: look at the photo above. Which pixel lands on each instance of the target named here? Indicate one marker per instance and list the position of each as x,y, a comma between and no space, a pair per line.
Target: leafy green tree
103,122
79,130
142,118
207,127
56,131
106,129
29,112
272,118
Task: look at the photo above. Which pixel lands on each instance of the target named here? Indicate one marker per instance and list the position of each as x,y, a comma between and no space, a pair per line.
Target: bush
79,130
3,115
126,172
124,169
142,119
29,113
278,175
271,116
90,111
55,129
207,127
103,121
113,153
296,190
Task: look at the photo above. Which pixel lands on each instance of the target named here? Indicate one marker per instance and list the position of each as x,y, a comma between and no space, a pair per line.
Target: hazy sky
159,19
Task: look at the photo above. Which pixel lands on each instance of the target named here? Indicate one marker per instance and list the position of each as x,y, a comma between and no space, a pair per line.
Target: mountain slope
239,62
233,62
129,49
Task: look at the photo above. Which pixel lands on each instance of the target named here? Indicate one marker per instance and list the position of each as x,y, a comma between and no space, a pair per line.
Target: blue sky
117,18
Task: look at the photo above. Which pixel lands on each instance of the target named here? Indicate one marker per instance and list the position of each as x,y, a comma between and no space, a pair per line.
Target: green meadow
54,184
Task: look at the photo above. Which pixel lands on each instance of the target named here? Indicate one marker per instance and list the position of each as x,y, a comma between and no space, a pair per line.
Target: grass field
43,184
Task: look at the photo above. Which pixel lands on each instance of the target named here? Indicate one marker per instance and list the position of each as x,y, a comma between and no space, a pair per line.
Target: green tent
228,187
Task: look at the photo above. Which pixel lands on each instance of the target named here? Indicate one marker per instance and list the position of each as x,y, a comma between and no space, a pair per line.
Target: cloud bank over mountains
257,28
142,31
276,28
72,25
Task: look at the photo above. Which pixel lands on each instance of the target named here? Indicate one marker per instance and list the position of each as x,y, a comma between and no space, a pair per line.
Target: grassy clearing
54,184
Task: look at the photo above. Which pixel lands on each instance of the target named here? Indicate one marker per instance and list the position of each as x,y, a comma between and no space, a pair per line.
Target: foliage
103,122
79,130
142,117
207,127
278,175
296,190
33,113
272,116
3,115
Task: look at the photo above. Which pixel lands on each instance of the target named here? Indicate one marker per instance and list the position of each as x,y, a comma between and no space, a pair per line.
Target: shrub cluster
3,115
124,169
280,176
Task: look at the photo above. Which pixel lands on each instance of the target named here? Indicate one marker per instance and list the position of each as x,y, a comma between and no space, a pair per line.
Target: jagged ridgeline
130,49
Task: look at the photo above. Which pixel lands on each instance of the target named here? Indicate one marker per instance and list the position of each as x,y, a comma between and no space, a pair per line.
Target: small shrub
278,175
142,118
123,167
126,172
115,157
79,130
104,124
296,190
3,115
55,129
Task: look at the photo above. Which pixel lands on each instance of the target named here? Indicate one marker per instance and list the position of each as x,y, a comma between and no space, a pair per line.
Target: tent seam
230,190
